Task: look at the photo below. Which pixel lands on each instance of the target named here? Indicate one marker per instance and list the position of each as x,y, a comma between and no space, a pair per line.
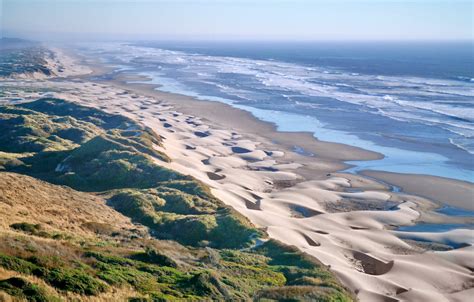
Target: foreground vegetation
199,249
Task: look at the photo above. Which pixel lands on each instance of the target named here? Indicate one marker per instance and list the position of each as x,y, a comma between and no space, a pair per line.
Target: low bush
73,280
26,227
32,229
20,288
152,256
66,279
17,264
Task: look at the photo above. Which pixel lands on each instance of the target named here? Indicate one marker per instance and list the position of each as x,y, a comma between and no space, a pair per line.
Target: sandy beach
330,156
346,221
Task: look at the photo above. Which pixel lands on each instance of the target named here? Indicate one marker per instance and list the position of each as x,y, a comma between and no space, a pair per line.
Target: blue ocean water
412,102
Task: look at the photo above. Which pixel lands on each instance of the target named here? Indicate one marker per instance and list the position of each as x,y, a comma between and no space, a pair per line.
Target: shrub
30,131
74,280
20,288
26,227
117,270
151,255
104,164
232,231
305,274
173,214
283,255
17,264
32,229
206,283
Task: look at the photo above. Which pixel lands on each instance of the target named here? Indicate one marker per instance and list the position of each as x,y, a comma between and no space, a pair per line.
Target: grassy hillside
126,228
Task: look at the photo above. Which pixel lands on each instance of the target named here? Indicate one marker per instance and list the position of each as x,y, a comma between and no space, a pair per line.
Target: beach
418,118
290,185
330,155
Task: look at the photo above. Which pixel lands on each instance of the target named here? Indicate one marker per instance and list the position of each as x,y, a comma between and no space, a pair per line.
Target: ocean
412,102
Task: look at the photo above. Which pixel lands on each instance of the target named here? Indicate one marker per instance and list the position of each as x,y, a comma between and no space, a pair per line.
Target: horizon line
240,39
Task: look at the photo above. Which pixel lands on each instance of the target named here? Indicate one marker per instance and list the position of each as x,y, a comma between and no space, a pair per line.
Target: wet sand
442,190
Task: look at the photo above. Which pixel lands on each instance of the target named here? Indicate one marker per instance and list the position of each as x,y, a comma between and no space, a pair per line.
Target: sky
238,19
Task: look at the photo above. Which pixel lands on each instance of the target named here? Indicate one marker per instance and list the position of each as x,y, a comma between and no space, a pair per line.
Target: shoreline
227,115
369,119
333,155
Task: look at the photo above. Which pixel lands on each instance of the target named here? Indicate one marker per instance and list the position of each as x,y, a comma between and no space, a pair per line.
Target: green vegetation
153,256
117,157
29,228
305,276
90,150
219,274
30,131
66,279
169,211
18,287
66,150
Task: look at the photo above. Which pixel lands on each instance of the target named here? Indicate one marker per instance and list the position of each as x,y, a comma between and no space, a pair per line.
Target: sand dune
356,244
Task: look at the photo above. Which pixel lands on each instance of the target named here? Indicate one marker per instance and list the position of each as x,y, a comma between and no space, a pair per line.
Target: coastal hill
20,57
88,213
24,59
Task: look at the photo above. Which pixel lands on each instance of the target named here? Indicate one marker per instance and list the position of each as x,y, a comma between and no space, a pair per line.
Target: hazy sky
239,19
